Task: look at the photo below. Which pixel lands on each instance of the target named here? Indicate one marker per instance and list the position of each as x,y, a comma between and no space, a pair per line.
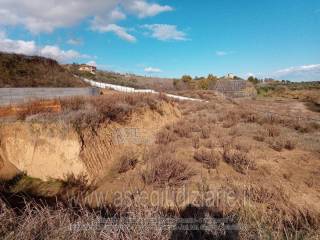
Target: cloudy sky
170,38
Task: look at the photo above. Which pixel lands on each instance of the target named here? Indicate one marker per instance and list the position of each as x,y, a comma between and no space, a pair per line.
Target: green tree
253,80
212,81
186,78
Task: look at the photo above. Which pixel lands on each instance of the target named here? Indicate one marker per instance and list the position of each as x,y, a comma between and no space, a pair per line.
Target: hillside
33,71
128,80
252,164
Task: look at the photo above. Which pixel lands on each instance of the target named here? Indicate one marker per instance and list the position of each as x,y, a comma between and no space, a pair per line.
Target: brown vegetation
211,158
25,71
238,159
166,170
276,195
127,161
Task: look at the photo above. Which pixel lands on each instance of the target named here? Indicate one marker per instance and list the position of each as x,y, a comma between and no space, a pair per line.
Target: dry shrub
250,117
271,119
277,145
211,158
61,221
79,183
182,129
73,103
259,137
166,170
273,131
228,124
196,142
289,144
205,132
127,161
209,143
166,136
303,126
90,112
238,158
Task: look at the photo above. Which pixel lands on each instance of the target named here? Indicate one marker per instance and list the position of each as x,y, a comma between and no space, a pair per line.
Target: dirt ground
256,159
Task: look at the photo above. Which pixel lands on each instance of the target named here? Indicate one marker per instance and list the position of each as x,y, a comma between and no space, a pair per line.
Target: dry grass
166,170
127,161
196,142
90,112
280,143
238,158
211,158
205,132
182,129
273,131
166,136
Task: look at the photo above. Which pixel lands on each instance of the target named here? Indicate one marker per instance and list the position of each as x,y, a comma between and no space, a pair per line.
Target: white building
230,76
88,68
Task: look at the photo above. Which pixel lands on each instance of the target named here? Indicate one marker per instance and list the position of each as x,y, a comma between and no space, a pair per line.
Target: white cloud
17,46
45,16
297,73
92,63
165,32
144,9
58,54
152,70
303,70
223,53
30,48
74,41
121,32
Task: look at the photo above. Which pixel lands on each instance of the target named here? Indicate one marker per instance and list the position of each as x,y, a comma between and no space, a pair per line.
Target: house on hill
235,88
88,68
230,76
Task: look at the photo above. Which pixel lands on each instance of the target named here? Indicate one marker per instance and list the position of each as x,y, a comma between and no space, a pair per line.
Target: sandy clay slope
54,150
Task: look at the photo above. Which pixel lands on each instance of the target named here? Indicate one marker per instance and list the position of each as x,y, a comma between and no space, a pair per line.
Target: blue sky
279,39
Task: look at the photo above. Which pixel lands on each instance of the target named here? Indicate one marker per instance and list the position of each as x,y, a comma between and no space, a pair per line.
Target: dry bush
205,132
166,136
229,119
209,143
276,145
238,158
250,117
289,144
73,103
166,170
273,131
60,221
211,158
281,143
303,126
182,129
261,135
127,161
271,119
89,112
196,142
79,183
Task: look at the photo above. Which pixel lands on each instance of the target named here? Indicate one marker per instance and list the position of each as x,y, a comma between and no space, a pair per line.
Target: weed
238,159
127,162
166,170
211,158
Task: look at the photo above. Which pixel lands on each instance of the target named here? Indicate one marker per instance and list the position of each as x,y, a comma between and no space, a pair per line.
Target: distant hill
32,71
